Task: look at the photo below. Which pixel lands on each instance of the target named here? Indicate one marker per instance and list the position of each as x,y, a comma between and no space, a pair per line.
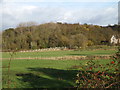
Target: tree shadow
57,73
50,78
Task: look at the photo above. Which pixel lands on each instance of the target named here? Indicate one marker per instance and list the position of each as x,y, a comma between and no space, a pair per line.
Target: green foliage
97,75
31,36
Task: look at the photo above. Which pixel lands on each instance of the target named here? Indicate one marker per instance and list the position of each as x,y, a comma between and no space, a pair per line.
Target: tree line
33,36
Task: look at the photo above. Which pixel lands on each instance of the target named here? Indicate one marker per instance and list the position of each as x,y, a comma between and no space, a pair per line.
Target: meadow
47,73
59,53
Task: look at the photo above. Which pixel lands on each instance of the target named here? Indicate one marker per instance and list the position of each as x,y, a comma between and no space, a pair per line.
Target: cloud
0,16
104,17
14,13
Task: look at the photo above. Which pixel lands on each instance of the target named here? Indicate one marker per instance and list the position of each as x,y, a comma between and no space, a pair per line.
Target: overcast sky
71,11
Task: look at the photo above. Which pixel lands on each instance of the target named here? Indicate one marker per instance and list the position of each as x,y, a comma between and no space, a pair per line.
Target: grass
59,53
46,73
43,73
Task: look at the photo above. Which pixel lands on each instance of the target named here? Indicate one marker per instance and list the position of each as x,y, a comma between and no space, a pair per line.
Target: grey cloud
14,15
105,17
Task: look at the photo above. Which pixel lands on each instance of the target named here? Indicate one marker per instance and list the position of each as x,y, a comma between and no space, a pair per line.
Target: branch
112,84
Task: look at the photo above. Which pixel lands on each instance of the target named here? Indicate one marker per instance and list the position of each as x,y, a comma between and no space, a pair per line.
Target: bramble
112,62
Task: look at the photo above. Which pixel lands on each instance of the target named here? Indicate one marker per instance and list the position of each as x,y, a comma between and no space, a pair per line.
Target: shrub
95,75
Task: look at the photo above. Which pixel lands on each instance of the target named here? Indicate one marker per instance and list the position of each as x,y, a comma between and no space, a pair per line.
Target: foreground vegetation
103,78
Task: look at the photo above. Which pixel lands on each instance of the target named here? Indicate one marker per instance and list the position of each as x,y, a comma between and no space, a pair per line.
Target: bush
95,75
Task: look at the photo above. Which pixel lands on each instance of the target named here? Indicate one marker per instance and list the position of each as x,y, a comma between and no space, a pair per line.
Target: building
115,40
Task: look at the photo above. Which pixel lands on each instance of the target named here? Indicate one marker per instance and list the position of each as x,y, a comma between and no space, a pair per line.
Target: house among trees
115,39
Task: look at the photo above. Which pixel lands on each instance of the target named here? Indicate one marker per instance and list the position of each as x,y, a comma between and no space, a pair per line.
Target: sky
14,12
119,14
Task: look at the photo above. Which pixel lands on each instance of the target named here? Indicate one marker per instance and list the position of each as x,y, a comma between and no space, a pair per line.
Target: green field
46,73
43,73
59,53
